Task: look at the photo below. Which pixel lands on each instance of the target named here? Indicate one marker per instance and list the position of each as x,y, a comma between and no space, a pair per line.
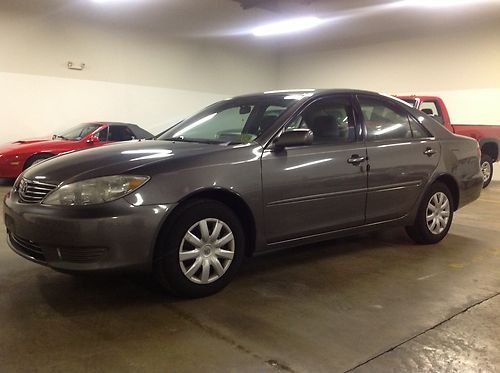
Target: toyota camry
245,175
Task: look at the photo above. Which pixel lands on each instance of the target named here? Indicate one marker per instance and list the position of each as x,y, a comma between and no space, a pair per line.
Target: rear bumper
470,190
111,236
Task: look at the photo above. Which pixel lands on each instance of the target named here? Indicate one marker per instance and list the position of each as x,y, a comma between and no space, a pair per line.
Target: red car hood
36,145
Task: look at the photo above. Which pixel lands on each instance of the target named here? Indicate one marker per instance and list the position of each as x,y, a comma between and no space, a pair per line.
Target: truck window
432,108
429,107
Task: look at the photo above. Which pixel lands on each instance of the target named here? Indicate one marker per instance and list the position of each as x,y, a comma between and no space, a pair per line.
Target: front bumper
9,171
114,235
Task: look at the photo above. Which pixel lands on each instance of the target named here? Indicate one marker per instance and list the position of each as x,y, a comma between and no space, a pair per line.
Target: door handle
356,160
429,152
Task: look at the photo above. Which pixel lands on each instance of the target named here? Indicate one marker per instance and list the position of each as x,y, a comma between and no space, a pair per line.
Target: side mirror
296,137
92,139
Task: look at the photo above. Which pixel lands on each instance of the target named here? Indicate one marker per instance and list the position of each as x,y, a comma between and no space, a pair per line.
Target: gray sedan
245,175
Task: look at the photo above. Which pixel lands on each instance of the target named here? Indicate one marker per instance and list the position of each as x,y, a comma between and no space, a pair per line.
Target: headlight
94,191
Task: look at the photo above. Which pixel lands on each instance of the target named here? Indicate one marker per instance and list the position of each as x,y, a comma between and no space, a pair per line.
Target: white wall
462,68
129,76
35,105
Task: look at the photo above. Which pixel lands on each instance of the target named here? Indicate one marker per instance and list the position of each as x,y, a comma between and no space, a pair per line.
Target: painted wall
36,105
129,76
462,68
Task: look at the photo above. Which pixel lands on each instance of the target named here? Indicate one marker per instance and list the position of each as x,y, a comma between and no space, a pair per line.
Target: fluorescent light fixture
286,27
440,3
113,1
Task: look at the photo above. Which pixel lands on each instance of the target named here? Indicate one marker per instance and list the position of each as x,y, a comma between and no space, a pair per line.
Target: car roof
315,93
138,131
311,91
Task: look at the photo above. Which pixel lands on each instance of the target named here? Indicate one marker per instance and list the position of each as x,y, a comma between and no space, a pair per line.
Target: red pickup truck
488,136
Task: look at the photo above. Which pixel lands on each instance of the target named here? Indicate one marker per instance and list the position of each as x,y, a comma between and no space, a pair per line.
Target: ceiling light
286,27
440,3
110,1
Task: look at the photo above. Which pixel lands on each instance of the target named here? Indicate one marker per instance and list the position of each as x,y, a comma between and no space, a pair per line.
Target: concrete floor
374,303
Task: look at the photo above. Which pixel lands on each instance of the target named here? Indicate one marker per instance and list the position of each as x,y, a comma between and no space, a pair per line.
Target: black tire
166,263
35,159
420,232
486,165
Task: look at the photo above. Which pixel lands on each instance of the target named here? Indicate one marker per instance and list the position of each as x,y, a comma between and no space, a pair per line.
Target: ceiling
349,22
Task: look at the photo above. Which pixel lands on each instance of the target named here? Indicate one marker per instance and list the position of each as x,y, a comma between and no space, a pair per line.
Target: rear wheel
202,251
486,169
434,216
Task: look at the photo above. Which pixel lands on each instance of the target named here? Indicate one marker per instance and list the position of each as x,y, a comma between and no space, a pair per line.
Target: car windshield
233,121
78,132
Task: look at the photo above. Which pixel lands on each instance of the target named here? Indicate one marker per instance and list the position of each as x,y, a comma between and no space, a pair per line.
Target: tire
36,159
190,277
486,169
423,231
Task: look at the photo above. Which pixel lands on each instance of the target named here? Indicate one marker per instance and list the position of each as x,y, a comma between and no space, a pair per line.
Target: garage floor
375,303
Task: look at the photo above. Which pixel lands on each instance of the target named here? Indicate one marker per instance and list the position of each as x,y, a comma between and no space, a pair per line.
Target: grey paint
297,195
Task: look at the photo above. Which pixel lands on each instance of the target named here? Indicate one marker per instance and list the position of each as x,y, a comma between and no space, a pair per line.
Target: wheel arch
232,200
490,147
37,155
452,185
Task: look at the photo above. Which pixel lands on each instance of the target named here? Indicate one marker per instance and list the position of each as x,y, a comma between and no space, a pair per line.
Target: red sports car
19,155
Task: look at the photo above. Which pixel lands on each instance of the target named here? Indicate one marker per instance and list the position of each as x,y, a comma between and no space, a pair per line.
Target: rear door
314,189
402,155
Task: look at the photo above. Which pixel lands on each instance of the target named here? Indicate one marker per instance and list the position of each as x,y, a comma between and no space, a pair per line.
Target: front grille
81,255
27,247
65,254
33,191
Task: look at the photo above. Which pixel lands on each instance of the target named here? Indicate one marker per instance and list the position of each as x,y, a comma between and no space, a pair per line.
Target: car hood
115,159
23,145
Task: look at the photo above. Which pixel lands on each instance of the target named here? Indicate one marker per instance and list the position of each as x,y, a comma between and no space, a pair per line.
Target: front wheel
486,169
38,158
202,251
434,215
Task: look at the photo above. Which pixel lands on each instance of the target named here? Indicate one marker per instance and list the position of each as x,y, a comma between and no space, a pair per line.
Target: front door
321,187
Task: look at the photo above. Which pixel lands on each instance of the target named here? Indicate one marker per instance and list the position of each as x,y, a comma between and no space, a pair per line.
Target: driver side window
103,134
331,121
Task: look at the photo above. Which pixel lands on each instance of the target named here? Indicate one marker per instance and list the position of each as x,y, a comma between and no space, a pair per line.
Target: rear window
411,101
430,108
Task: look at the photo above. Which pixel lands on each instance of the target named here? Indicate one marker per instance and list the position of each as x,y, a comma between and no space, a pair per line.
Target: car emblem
23,185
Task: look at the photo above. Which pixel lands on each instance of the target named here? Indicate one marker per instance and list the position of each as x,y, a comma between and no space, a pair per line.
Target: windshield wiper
183,139
59,137
178,138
